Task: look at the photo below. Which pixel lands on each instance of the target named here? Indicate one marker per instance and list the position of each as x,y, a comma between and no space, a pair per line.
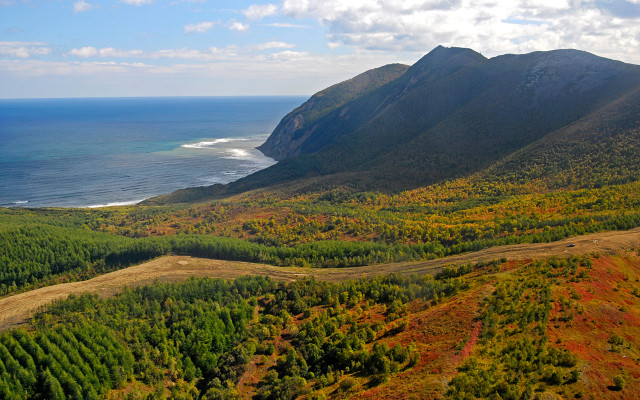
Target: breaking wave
117,203
238,154
210,144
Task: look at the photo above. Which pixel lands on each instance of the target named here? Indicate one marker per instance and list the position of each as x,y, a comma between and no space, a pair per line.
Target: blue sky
95,48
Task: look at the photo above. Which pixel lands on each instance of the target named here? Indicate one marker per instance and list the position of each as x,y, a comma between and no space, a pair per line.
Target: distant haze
122,48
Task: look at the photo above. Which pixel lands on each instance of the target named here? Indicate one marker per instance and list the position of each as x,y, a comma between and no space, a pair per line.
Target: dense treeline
333,229
448,215
195,339
83,361
32,255
40,254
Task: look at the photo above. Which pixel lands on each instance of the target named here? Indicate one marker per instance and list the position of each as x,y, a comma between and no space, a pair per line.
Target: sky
123,48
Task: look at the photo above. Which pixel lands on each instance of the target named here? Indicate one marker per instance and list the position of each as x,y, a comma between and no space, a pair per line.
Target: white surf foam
117,203
238,154
209,144
212,180
20,202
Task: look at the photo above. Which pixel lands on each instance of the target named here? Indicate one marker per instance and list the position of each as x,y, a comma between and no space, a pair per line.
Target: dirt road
15,310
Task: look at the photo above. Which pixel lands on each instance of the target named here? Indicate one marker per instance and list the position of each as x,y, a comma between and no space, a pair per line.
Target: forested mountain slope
452,114
455,112
300,124
600,149
558,328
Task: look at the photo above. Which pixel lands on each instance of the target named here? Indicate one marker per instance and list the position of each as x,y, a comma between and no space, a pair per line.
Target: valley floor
17,309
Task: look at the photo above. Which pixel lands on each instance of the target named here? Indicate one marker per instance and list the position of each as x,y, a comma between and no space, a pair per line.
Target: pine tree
51,388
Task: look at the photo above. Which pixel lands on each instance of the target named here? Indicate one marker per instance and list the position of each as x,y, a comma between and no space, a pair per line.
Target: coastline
242,152
115,204
111,152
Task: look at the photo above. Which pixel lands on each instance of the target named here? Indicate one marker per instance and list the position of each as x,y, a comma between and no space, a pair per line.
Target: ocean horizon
97,152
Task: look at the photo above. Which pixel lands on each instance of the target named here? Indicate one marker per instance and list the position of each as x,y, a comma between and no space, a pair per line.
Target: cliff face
297,126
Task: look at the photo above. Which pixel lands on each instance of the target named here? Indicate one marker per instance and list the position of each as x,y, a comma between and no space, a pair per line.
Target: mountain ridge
452,114
518,98
292,127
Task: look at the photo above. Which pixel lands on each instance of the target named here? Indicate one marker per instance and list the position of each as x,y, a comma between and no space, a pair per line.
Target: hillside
453,114
600,149
553,328
299,125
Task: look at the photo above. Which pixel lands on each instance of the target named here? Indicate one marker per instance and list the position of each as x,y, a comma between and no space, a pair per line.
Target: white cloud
199,27
116,53
287,25
33,68
317,71
285,73
84,52
137,2
210,54
106,52
238,26
288,55
257,12
23,49
272,45
490,26
81,6
36,44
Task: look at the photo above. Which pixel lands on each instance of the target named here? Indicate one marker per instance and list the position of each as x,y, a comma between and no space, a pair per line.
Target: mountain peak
451,114
443,54
441,50
447,57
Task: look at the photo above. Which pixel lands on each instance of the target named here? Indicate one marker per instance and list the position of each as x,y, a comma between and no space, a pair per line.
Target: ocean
118,151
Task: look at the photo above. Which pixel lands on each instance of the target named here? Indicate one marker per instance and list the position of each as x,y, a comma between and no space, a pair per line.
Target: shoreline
113,204
153,147
196,145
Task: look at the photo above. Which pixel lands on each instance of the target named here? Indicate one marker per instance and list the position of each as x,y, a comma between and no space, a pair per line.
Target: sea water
116,151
